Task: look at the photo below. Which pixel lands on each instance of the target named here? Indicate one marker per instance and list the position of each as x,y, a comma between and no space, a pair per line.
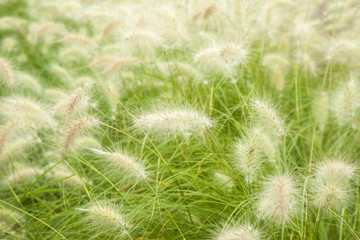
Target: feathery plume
79,40
55,95
5,133
321,110
238,232
6,73
341,49
76,102
27,112
332,195
207,11
346,102
180,70
107,216
61,73
210,15
63,172
8,222
277,65
331,186
13,24
24,175
173,121
143,42
19,147
50,28
224,180
335,170
269,118
306,63
123,161
75,129
9,44
27,82
69,55
111,64
248,154
85,142
10,217
278,201
110,27
223,58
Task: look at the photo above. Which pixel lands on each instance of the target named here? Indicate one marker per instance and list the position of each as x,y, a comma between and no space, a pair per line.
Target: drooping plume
123,162
278,200
173,121
238,232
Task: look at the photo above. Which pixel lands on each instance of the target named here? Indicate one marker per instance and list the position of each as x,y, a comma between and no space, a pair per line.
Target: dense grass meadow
180,119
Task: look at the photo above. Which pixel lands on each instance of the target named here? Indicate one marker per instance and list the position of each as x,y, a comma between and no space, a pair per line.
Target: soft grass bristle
269,118
107,216
279,199
248,155
223,58
24,175
76,102
123,162
173,121
238,232
79,40
76,129
6,73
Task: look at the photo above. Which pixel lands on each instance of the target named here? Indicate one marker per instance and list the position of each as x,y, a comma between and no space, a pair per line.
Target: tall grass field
180,119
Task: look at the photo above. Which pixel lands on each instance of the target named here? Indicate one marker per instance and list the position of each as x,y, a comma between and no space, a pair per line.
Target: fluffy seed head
111,64
335,170
346,102
26,81
50,28
222,58
277,64
19,147
61,73
26,174
207,12
238,232
125,162
71,54
332,195
76,102
9,44
6,73
79,40
173,121
141,36
75,129
269,118
224,180
110,27
331,186
278,200
13,24
5,132
26,111
248,153
143,42
341,48
321,110
180,70
106,216
66,174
